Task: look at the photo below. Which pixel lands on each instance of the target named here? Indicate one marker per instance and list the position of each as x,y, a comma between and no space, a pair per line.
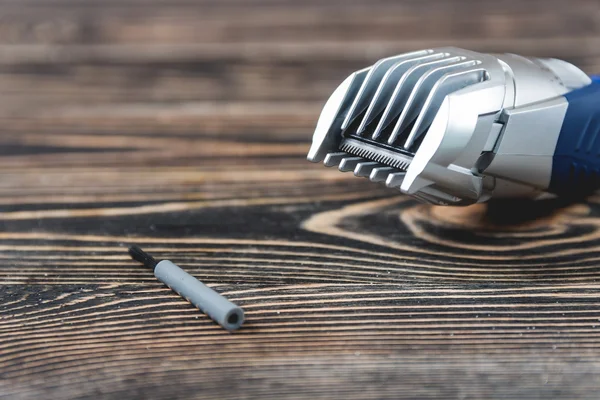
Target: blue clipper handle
576,162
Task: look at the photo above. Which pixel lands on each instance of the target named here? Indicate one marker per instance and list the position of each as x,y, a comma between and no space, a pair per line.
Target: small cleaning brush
227,314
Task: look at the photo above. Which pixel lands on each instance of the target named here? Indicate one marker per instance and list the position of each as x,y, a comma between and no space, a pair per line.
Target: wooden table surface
183,127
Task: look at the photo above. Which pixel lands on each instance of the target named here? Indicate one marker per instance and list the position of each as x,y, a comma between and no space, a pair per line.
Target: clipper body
455,127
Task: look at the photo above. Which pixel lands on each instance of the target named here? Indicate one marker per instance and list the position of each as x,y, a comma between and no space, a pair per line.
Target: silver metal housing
449,126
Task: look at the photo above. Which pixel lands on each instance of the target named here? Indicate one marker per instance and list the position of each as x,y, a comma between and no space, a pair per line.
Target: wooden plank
78,52
183,127
250,22
255,72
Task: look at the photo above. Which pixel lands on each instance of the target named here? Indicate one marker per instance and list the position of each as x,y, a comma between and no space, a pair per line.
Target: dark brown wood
183,127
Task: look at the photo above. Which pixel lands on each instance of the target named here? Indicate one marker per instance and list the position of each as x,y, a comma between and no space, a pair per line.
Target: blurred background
259,57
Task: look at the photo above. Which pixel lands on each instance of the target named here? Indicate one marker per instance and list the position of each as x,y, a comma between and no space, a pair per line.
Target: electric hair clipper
455,127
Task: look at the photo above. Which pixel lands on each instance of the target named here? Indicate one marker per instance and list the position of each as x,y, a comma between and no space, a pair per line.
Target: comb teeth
400,96
375,121
349,163
365,168
333,159
381,174
371,82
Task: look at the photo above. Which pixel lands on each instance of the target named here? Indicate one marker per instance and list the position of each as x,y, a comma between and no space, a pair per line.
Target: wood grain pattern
183,127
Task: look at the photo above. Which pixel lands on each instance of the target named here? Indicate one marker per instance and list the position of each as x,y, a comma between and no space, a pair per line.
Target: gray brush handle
217,307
